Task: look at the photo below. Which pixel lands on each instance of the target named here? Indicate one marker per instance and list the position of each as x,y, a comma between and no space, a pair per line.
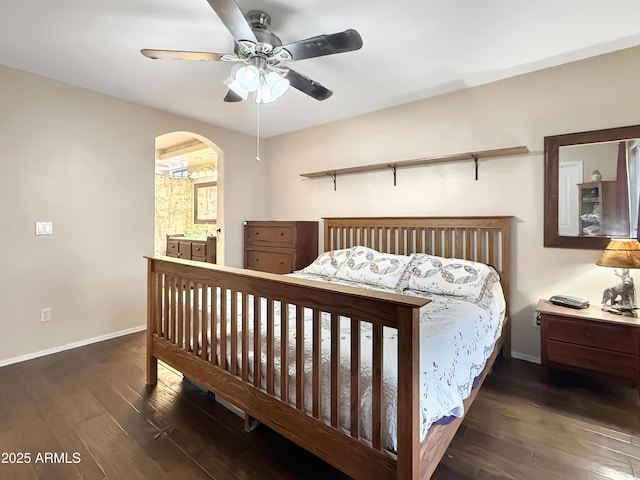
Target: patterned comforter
457,336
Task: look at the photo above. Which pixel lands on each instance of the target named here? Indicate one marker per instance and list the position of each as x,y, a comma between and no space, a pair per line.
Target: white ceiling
412,49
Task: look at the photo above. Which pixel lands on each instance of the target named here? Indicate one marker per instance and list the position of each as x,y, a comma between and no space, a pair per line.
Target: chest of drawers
279,246
190,249
589,340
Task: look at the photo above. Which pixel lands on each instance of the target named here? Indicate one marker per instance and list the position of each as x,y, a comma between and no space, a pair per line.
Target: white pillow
450,276
327,263
365,265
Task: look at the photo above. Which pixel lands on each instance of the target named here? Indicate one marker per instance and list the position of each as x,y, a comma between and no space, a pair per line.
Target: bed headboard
481,239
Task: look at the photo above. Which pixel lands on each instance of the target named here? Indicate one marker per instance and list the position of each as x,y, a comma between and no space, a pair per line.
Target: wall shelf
394,166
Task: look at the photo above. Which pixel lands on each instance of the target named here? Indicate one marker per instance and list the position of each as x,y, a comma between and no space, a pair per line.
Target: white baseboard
526,357
69,346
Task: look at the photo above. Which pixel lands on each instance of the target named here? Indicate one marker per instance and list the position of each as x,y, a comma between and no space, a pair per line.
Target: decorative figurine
595,176
627,293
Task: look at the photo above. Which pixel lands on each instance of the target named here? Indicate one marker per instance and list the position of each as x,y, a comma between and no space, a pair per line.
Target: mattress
457,336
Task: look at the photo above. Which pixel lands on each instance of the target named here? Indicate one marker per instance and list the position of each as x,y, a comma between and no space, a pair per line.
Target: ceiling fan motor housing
260,22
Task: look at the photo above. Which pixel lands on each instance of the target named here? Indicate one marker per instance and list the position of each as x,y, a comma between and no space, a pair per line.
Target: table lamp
622,253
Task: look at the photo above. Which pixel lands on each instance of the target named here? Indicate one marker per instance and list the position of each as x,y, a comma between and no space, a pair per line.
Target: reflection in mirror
205,197
592,187
597,189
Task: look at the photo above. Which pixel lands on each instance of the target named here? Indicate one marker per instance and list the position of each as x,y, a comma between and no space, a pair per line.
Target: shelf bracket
475,161
333,177
394,170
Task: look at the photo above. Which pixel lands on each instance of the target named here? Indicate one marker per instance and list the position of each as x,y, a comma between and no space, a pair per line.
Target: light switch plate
44,228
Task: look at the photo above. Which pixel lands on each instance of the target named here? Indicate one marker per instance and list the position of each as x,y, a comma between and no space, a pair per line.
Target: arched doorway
185,162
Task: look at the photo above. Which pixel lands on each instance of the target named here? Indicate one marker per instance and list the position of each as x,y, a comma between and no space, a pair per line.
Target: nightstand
589,340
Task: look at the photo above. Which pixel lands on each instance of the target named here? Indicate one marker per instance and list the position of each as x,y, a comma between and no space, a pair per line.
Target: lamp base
626,310
620,299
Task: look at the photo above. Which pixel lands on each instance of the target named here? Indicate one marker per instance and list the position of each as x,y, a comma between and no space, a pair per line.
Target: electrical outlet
536,320
45,315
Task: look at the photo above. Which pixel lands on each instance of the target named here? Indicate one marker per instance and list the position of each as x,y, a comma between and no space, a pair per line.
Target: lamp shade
249,78
235,87
277,84
621,253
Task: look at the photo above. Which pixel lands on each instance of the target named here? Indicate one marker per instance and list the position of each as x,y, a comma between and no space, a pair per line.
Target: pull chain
258,133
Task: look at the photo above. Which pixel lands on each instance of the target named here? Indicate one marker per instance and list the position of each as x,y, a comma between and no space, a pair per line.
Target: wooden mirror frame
196,187
552,146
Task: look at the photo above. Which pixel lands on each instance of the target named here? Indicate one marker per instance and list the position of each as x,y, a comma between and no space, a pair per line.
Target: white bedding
457,335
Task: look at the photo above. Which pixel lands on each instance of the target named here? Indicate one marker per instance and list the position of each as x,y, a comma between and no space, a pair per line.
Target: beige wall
600,156
85,161
591,94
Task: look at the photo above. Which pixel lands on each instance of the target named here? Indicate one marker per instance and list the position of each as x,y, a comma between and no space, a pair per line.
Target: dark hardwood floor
92,402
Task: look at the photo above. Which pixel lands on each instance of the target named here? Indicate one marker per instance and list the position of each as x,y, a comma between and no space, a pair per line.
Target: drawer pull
281,263
282,234
588,334
257,233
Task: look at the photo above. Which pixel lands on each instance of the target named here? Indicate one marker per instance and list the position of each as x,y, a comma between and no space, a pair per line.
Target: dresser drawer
185,250
173,248
274,262
198,250
592,334
276,235
588,358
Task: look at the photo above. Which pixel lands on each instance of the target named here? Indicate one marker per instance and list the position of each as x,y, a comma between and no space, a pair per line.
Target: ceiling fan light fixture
277,84
264,95
237,88
272,88
248,77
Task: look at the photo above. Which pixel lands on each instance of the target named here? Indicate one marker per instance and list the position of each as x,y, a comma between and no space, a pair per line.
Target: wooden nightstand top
594,313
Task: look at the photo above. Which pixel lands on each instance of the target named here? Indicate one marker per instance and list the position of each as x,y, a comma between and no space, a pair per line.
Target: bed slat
355,378
204,352
196,318
234,333
270,347
284,352
376,384
491,259
245,337
223,328
316,364
335,369
181,294
188,315
166,309
257,329
299,357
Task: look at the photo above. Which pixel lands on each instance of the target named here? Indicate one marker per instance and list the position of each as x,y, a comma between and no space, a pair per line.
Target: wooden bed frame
176,320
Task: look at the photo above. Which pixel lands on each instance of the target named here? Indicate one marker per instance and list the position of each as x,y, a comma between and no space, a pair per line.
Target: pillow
450,276
365,265
327,263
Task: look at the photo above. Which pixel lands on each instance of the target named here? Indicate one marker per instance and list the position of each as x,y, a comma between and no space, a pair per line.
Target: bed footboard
254,337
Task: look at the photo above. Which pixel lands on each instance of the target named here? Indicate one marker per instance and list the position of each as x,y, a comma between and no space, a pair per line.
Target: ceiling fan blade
320,45
232,96
306,85
180,55
233,19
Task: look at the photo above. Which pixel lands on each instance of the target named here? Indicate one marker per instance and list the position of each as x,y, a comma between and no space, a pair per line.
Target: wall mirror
592,187
205,198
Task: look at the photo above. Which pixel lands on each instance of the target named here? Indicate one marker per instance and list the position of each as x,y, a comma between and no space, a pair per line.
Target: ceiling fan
261,57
